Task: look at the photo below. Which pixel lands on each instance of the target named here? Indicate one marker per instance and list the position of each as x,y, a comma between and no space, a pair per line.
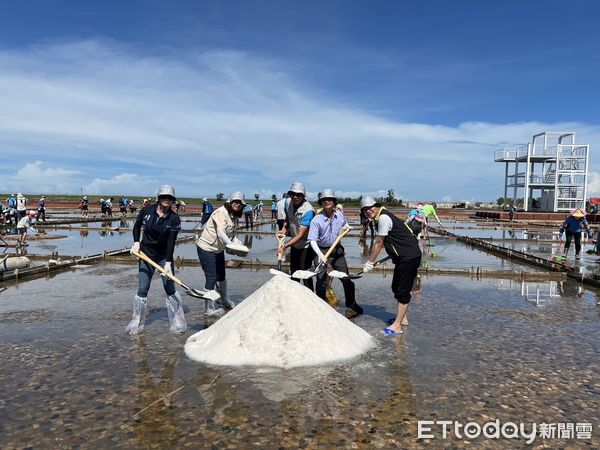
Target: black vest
400,243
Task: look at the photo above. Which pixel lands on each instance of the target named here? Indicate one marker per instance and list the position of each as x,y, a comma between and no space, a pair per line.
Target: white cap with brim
237,195
368,202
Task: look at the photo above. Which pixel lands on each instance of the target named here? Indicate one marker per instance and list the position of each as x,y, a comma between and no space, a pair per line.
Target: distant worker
299,214
218,236
258,211
429,211
274,210
207,210
41,209
511,213
365,223
249,215
572,228
401,245
109,205
23,226
21,206
123,205
324,230
84,206
12,201
161,226
281,209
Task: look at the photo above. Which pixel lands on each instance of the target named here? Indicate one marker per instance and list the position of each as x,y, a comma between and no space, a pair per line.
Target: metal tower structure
550,174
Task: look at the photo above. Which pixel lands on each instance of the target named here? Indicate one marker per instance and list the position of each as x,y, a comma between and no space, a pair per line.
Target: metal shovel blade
306,274
303,274
338,274
278,272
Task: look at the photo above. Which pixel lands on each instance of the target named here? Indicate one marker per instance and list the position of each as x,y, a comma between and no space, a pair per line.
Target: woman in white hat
161,226
218,236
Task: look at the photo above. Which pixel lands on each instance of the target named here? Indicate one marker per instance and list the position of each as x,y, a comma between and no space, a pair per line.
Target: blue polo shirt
324,230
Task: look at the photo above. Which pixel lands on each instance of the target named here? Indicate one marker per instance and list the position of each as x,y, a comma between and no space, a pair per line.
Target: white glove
223,237
368,267
168,270
236,241
321,257
135,248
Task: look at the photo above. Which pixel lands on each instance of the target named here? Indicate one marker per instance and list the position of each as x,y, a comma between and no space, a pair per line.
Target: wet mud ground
474,351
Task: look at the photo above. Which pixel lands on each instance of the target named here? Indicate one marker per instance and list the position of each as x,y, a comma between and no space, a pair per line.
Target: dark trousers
405,272
337,259
273,214
280,223
301,259
145,272
213,266
41,214
570,235
249,219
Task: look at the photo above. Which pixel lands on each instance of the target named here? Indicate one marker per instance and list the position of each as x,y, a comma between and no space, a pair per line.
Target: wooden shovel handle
143,256
343,232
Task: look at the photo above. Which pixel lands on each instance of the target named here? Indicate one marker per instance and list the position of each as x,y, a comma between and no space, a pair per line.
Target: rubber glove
590,233
368,267
560,233
168,270
224,237
135,248
321,257
318,252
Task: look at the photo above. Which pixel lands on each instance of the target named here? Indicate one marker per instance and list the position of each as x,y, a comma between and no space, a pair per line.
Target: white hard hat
204,199
85,197
327,193
101,199
166,190
298,188
367,202
19,194
237,195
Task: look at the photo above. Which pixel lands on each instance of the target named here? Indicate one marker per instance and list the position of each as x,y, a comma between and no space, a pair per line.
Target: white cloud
593,187
124,183
221,121
35,178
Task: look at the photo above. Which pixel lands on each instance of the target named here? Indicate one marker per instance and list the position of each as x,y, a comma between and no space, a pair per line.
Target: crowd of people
310,235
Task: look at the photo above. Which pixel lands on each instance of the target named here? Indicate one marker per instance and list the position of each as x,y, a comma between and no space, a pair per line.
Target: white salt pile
282,324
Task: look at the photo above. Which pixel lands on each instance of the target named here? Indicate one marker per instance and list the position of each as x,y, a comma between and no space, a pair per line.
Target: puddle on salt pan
473,351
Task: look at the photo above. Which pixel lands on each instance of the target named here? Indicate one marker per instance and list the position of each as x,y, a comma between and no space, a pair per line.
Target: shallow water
475,350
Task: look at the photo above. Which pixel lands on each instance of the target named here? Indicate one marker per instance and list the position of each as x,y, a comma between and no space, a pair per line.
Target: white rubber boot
140,310
177,323
222,290
211,307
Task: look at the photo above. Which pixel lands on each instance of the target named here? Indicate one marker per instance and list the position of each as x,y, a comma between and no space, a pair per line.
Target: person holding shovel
218,236
298,216
161,226
399,242
323,231
572,227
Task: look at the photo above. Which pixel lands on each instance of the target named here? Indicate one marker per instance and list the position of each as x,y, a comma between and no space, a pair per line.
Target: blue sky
361,97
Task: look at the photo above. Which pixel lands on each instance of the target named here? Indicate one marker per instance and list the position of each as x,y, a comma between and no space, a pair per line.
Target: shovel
353,276
280,257
188,290
306,274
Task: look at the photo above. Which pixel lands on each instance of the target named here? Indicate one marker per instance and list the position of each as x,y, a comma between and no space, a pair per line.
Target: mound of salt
281,324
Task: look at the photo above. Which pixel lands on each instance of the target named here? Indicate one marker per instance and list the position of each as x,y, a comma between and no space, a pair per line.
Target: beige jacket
209,239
